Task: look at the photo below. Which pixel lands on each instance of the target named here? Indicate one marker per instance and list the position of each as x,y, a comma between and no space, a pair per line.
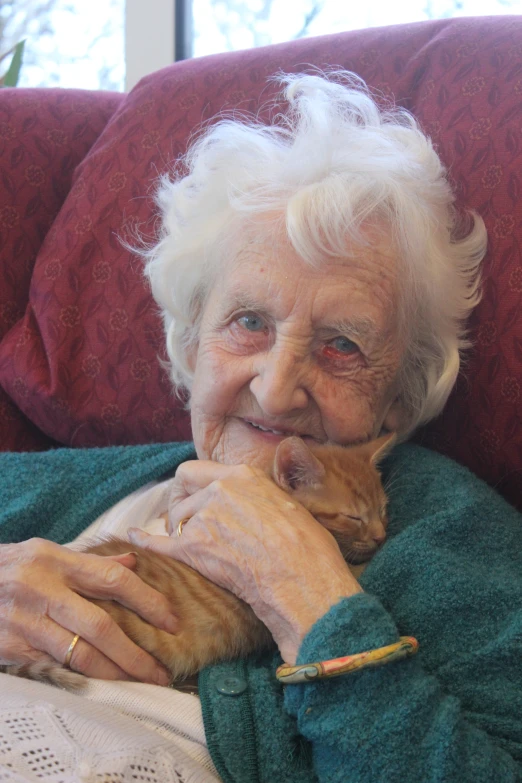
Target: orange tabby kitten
340,487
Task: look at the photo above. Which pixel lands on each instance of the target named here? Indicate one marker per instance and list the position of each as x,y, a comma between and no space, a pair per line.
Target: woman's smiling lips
267,430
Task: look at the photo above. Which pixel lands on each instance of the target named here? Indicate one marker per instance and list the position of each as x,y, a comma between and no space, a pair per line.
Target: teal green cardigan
450,574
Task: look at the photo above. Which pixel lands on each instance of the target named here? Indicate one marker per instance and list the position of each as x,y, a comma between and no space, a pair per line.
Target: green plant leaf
11,77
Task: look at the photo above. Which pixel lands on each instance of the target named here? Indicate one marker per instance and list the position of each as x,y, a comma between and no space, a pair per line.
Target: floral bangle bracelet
308,672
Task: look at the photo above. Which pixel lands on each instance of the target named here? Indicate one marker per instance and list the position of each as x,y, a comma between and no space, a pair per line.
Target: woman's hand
248,536
41,609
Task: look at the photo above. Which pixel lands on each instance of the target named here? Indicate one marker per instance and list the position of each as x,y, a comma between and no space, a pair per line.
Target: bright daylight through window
81,43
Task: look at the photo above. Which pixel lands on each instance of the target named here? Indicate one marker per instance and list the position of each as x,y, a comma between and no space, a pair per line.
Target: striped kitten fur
341,488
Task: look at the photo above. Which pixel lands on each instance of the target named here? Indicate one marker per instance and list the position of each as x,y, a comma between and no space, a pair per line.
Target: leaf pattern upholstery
79,333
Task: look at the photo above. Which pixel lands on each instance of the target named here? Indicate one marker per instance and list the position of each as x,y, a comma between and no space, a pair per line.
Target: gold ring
70,649
181,525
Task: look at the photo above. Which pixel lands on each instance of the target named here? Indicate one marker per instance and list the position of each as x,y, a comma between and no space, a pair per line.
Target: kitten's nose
376,531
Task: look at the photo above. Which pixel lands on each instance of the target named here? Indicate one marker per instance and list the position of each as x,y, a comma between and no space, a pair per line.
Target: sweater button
230,685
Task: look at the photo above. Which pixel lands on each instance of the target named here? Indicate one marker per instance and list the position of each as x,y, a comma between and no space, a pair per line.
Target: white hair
333,165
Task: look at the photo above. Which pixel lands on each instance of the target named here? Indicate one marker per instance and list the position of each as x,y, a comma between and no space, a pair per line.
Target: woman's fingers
195,475
105,651
103,577
245,534
193,484
185,509
39,580
53,638
163,545
87,660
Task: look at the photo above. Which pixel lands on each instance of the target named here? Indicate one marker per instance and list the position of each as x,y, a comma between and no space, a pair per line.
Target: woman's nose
277,384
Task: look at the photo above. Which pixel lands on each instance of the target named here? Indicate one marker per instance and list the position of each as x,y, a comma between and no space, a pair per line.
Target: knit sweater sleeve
452,577
56,494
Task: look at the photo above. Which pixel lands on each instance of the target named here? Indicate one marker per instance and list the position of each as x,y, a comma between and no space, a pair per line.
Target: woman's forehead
356,294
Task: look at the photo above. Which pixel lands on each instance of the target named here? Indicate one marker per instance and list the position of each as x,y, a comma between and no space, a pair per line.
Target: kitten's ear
295,466
381,447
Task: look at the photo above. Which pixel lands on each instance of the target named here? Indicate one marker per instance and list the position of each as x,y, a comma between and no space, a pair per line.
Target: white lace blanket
58,737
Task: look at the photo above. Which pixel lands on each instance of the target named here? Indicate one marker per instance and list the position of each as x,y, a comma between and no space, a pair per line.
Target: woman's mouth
273,433
266,433
267,429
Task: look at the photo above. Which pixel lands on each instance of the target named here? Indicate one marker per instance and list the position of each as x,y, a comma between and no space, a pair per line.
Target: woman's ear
394,418
192,356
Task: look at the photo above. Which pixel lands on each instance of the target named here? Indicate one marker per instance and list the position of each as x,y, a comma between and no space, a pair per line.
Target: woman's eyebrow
243,301
360,327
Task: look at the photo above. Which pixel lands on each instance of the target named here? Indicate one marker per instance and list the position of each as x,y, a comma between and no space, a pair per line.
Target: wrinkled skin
296,370
41,608
246,535
272,353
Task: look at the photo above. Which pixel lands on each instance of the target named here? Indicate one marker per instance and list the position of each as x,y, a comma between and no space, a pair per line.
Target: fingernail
134,533
171,624
163,677
134,563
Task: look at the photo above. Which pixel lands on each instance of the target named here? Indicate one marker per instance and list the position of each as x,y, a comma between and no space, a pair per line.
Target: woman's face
288,349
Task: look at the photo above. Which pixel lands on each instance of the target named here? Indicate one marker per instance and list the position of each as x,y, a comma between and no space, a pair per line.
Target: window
69,43
88,44
111,44
226,25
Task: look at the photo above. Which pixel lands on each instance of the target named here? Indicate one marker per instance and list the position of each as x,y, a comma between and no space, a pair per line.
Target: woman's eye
252,322
341,352
344,345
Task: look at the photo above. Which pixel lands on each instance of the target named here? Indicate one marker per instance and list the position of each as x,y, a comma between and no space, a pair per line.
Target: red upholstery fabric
82,363
472,107
44,134
17,433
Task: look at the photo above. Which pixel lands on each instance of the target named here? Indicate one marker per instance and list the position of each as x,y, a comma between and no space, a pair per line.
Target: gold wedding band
70,649
181,525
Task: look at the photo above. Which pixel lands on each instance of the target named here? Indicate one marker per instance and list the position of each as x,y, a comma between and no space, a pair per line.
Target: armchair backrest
80,358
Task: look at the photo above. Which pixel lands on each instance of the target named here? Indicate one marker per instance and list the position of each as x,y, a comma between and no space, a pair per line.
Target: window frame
183,30
150,38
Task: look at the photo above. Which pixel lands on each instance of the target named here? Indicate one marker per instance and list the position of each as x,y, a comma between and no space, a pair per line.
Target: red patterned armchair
79,335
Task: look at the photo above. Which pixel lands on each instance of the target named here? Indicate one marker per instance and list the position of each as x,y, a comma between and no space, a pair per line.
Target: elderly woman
314,280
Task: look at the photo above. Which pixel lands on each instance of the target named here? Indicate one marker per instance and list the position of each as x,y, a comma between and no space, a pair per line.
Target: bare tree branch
34,20
312,14
256,20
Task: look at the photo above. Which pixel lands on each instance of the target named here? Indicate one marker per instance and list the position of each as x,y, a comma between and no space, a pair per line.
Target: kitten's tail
48,672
